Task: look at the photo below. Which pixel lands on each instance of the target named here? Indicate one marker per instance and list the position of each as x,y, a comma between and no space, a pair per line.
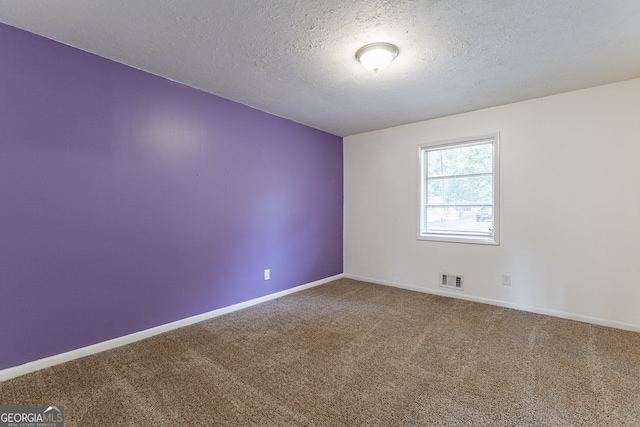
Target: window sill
455,239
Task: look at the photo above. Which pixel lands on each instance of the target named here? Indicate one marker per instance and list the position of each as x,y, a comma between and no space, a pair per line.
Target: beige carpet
350,353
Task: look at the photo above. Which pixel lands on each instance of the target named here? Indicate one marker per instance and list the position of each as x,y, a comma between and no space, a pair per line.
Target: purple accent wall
128,201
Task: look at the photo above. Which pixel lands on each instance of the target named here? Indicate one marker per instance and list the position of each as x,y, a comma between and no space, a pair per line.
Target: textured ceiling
295,58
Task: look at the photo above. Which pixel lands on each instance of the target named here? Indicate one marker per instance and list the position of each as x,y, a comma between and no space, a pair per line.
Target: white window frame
422,191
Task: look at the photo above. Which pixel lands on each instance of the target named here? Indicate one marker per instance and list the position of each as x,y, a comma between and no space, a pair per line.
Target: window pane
460,221
463,160
463,190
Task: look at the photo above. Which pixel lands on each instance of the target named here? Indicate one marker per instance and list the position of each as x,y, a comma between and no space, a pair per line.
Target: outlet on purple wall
128,201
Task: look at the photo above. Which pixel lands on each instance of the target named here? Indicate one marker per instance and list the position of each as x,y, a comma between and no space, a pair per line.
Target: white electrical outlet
267,274
506,279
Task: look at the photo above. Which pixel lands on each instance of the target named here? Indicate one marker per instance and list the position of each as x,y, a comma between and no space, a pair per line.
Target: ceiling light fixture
377,56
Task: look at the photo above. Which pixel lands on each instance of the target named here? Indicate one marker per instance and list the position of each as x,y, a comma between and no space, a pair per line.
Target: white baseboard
506,304
36,365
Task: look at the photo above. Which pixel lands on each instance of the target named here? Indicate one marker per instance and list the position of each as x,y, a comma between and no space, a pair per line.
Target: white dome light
376,56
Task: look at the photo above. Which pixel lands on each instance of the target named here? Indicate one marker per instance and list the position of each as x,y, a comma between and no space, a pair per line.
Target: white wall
570,207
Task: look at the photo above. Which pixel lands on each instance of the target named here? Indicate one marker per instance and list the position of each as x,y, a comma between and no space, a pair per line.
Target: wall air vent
452,281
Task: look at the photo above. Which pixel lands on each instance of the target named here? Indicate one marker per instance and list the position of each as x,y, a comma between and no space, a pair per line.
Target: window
459,191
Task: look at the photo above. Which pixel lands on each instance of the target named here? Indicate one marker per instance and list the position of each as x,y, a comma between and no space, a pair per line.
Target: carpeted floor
349,353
